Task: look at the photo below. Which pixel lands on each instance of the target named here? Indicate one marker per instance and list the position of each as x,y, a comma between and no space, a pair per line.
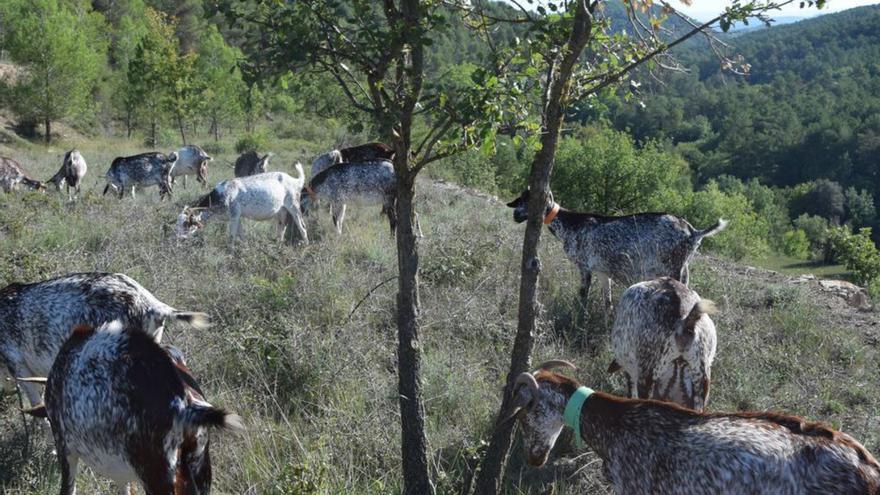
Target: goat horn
33,379
527,379
557,363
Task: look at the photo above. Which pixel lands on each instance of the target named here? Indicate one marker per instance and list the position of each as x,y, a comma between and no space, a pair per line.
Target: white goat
258,197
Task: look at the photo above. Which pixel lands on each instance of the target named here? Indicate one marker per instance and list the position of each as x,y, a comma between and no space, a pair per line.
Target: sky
703,10
706,9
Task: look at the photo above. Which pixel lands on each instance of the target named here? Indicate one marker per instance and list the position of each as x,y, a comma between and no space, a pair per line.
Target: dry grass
315,381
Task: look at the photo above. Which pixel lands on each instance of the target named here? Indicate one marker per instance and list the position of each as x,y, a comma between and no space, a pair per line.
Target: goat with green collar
656,447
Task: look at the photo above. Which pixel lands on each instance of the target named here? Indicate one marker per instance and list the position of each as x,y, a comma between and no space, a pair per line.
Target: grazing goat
73,169
12,174
650,446
140,171
664,341
250,163
626,249
191,160
371,182
258,197
126,407
368,152
35,319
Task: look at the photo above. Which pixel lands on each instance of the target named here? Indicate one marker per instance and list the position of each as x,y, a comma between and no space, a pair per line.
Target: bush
816,230
214,148
796,244
857,252
747,233
824,198
250,142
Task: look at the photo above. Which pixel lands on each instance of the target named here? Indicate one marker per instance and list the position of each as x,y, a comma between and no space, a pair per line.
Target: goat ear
521,399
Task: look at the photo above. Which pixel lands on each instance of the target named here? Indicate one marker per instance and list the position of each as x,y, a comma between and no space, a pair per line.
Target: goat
664,341
36,318
12,174
140,171
373,182
368,152
250,163
650,446
191,160
258,197
626,249
73,169
132,411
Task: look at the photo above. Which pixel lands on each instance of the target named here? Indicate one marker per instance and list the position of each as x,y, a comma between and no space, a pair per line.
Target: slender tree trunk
492,467
182,127
153,131
48,134
128,124
215,128
409,356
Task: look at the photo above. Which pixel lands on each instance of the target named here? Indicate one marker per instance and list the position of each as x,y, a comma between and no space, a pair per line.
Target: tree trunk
48,134
492,467
409,357
215,128
128,124
182,128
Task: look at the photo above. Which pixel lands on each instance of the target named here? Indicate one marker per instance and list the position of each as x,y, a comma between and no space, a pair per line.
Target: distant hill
810,107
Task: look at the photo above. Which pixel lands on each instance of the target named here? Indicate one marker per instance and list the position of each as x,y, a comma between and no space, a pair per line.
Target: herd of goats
128,406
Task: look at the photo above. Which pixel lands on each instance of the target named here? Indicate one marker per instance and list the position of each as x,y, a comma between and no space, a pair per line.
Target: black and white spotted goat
12,174
140,171
125,406
650,446
273,195
250,163
35,319
73,169
664,342
626,249
364,182
355,154
191,160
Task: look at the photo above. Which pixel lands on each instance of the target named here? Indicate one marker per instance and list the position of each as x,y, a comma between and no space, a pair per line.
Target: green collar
573,413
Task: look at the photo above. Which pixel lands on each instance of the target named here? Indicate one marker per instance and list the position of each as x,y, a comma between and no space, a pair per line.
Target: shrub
602,171
857,252
816,229
824,198
250,142
796,244
214,148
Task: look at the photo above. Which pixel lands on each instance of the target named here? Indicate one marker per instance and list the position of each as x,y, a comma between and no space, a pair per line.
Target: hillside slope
303,346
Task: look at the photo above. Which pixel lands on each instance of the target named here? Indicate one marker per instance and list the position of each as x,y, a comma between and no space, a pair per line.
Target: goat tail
299,170
703,307
193,319
201,414
720,225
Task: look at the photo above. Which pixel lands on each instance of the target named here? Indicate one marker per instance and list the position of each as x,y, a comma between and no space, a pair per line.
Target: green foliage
250,142
747,233
221,81
796,244
824,198
816,230
62,52
601,170
857,252
860,209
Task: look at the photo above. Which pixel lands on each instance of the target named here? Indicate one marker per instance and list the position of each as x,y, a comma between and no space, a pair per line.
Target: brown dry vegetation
314,377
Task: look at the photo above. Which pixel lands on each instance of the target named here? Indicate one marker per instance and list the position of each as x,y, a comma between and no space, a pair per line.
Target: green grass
793,266
315,378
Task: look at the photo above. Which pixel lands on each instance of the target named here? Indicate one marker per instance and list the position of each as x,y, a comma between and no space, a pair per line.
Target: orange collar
311,193
550,216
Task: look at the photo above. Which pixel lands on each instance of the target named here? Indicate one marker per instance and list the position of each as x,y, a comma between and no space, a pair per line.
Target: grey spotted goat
355,154
12,174
664,342
650,446
250,163
365,182
191,160
273,195
36,318
73,169
140,171
131,410
626,249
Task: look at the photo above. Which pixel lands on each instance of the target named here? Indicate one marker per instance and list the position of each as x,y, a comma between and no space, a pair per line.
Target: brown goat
650,446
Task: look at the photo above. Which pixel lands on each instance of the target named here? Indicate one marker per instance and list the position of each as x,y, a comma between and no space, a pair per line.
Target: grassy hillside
303,346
